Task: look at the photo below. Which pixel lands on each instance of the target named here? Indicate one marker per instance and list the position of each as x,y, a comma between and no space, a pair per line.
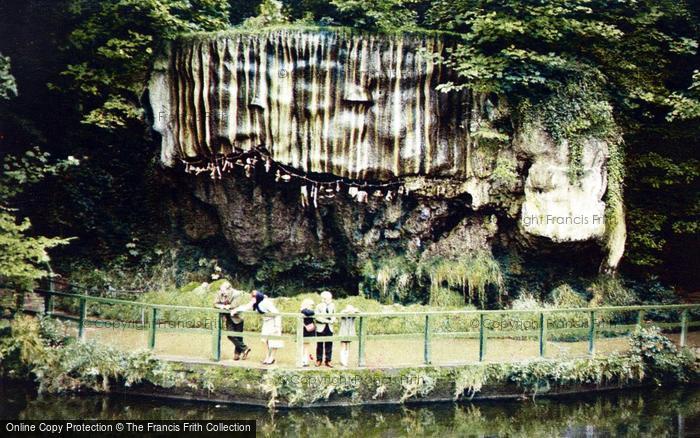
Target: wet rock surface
363,108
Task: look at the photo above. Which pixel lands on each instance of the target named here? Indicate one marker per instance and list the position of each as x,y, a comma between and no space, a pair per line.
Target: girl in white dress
347,328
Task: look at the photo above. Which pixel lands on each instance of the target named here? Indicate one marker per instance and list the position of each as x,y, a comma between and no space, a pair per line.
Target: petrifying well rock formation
354,106
364,108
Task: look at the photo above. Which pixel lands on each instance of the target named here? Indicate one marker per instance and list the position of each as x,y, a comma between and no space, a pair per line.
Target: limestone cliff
366,108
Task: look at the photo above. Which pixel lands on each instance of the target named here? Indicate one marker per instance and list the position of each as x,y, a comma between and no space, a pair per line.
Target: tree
641,56
527,46
8,85
114,44
21,255
385,15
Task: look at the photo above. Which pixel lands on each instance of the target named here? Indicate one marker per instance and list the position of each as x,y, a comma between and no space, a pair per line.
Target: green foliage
8,85
686,105
37,349
290,276
505,171
386,15
22,255
639,58
655,223
114,44
511,46
660,356
143,268
393,277
473,274
610,291
269,14
542,375
532,377
565,296
470,380
573,113
445,297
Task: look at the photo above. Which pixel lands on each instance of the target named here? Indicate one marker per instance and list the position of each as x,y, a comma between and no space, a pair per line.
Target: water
657,412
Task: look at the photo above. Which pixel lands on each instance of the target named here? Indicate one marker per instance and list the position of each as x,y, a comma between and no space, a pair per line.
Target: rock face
326,102
556,207
364,108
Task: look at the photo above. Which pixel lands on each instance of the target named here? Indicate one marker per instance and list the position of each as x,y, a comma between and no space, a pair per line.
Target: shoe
236,356
318,363
328,364
245,354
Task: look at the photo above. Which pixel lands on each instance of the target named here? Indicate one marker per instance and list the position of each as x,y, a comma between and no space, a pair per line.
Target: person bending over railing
271,322
227,298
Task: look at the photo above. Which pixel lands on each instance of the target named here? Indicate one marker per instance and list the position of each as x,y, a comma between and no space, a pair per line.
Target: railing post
543,336
300,341
81,318
684,327
152,328
640,319
216,339
426,341
482,338
48,304
591,333
361,343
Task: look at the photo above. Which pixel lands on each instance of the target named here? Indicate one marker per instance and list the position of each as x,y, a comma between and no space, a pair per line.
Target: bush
474,274
393,278
661,358
37,348
610,291
564,296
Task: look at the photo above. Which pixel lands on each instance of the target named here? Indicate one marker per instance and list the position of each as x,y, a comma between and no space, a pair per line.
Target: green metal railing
541,331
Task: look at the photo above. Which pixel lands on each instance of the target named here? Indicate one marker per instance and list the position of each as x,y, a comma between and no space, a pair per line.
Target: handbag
310,327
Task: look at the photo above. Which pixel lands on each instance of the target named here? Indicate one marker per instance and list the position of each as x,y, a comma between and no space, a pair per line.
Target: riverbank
35,349
280,388
283,388
667,411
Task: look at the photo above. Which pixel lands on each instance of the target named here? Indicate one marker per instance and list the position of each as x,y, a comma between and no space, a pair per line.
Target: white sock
344,358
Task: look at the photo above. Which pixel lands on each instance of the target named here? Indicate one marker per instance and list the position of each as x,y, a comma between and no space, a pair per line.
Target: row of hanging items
310,190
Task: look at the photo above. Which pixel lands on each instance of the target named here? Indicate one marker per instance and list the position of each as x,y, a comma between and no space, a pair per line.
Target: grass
378,352
404,346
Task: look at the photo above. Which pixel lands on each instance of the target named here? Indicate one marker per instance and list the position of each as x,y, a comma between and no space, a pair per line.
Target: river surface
653,412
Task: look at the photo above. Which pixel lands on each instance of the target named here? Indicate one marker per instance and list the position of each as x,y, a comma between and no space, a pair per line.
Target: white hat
350,309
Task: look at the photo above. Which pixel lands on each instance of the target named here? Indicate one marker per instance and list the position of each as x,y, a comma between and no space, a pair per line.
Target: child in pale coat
347,328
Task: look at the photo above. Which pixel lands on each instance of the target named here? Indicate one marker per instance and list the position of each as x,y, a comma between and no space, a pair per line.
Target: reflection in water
658,412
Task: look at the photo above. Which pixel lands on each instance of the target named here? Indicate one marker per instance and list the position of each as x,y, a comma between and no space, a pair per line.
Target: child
309,327
347,328
324,327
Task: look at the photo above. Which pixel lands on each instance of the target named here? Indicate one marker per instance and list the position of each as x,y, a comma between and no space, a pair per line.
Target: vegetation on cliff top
97,55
